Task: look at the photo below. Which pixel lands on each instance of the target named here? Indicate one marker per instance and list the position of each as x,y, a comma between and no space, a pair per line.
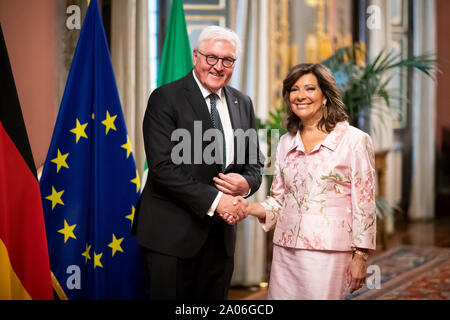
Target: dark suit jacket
171,216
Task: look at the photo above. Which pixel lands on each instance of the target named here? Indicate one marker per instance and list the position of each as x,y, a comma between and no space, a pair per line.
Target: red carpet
411,273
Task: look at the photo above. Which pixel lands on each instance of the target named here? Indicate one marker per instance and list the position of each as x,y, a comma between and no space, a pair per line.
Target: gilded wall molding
279,49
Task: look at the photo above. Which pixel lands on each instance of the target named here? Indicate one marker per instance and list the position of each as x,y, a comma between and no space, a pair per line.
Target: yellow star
109,122
131,215
137,181
55,197
60,161
97,258
127,146
115,245
67,231
86,253
79,130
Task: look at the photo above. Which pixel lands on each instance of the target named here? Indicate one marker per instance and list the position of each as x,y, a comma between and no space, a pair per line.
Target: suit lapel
233,108
197,102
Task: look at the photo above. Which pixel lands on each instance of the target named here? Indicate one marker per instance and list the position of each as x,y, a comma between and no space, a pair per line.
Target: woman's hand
238,213
356,273
245,208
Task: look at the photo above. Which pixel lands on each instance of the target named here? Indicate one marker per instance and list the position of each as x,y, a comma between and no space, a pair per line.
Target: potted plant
363,84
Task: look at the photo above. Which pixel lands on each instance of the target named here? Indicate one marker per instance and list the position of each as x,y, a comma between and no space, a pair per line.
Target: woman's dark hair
334,108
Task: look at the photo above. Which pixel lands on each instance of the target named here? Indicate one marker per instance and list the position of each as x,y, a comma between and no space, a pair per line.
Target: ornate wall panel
202,13
399,85
279,49
320,27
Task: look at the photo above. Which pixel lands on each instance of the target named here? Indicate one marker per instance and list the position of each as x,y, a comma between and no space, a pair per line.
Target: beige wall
28,27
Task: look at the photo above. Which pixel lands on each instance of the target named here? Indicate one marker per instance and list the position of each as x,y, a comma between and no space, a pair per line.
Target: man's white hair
219,33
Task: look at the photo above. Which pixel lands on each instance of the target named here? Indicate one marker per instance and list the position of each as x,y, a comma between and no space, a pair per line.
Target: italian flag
24,262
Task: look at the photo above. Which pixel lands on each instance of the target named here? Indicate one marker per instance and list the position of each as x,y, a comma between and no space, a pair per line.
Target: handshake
232,209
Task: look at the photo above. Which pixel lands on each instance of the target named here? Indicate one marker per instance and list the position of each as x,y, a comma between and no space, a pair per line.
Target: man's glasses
227,62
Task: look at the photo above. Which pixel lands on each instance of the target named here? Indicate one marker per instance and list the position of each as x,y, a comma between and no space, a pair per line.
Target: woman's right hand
257,210
251,208
246,208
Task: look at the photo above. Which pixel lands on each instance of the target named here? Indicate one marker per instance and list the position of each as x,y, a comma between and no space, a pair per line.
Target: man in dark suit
198,168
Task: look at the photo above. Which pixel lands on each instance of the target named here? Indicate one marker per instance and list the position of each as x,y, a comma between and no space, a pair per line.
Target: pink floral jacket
324,200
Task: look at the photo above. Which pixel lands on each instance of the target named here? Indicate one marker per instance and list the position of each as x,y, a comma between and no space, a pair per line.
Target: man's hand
232,183
241,206
232,209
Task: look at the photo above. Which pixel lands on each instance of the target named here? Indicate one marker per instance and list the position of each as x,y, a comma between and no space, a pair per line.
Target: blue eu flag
90,185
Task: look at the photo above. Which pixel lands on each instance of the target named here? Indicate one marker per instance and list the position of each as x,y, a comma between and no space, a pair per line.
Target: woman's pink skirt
299,274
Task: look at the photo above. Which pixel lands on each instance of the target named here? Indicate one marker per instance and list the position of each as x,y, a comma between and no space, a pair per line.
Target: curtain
381,121
381,128
423,116
130,58
251,77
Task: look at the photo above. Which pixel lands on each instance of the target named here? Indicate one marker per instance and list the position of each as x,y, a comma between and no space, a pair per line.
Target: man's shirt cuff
214,205
248,193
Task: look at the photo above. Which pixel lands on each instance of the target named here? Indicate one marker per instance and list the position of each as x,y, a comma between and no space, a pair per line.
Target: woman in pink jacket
322,199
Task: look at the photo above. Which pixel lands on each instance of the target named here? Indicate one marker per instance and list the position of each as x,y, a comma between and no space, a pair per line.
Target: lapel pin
235,102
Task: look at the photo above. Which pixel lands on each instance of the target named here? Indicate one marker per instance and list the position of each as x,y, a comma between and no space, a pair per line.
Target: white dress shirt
222,108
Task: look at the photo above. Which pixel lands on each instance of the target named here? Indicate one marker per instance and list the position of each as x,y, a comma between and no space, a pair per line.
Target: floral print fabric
324,200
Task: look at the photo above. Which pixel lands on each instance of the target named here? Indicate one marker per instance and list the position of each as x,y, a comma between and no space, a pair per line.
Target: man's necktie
215,118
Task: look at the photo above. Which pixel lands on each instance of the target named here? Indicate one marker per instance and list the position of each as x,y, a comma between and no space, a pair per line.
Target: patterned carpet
410,273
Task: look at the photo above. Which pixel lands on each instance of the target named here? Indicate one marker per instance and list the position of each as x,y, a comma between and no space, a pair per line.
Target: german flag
24,263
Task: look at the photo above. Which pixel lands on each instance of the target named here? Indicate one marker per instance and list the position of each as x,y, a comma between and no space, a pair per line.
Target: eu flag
90,185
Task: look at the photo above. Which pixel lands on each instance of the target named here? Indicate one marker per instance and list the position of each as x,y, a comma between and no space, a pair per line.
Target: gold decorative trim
219,6
59,290
220,19
279,50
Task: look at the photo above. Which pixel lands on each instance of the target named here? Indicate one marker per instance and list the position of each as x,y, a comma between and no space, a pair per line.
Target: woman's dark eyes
308,89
